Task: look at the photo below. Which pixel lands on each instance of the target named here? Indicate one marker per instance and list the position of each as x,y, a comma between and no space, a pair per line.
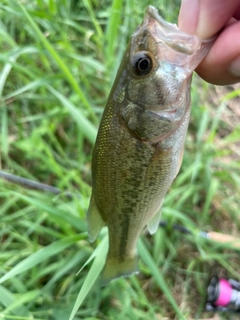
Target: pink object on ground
225,292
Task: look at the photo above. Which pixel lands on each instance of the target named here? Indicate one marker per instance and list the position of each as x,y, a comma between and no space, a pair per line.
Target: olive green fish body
139,146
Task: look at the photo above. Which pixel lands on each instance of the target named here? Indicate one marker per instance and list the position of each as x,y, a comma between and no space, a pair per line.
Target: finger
222,64
206,17
237,13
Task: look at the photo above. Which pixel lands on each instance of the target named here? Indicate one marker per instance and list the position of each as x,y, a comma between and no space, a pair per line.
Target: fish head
156,76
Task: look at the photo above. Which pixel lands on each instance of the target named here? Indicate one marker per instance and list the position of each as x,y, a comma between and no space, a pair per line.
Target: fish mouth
174,115
169,33
174,46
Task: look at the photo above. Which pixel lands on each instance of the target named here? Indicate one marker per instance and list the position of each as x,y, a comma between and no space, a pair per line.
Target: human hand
205,18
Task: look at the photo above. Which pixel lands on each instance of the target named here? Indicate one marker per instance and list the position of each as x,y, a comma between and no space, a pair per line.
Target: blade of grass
5,36
4,141
58,60
92,275
66,266
59,215
6,297
95,22
39,256
5,72
212,189
9,300
28,87
203,124
85,125
113,28
20,301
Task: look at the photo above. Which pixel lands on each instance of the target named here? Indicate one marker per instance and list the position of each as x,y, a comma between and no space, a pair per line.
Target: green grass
58,60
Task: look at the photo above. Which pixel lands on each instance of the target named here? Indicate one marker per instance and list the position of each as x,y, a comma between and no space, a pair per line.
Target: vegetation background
58,60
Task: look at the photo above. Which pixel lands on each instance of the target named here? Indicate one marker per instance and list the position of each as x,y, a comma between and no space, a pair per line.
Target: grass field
58,60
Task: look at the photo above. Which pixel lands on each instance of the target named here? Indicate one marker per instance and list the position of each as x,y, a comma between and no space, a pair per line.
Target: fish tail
115,269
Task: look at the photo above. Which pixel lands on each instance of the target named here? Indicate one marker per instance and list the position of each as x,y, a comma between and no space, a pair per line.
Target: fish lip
166,115
153,12
169,33
174,46
176,114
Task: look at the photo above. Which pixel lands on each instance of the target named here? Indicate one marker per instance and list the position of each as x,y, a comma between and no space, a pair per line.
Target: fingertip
205,18
188,16
234,68
222,64
213,16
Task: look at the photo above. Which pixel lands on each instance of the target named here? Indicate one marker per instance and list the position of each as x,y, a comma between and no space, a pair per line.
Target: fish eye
142,64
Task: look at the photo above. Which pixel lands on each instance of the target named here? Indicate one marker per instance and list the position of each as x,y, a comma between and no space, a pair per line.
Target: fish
140,141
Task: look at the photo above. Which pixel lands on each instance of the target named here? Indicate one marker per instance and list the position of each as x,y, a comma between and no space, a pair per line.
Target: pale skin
206,18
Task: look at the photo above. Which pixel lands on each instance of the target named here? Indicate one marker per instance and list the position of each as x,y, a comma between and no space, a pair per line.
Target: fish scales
139,147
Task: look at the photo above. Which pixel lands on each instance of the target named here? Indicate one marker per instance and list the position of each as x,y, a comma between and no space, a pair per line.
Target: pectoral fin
180,160
95,221
153,223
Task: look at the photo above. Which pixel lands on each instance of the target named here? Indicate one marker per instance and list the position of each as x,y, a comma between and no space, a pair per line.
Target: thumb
205,17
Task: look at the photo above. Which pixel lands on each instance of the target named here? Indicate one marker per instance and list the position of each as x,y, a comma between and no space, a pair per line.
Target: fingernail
235,67
188,16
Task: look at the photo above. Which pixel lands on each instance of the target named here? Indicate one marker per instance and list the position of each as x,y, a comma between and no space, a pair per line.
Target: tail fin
115,269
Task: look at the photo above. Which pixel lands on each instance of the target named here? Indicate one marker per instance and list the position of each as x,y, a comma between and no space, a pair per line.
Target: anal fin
95,221
153,223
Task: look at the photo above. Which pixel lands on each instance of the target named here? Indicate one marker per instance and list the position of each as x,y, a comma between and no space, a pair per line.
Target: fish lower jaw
172,115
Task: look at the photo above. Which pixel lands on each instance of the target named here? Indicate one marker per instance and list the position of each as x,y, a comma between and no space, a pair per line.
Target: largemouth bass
139,147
